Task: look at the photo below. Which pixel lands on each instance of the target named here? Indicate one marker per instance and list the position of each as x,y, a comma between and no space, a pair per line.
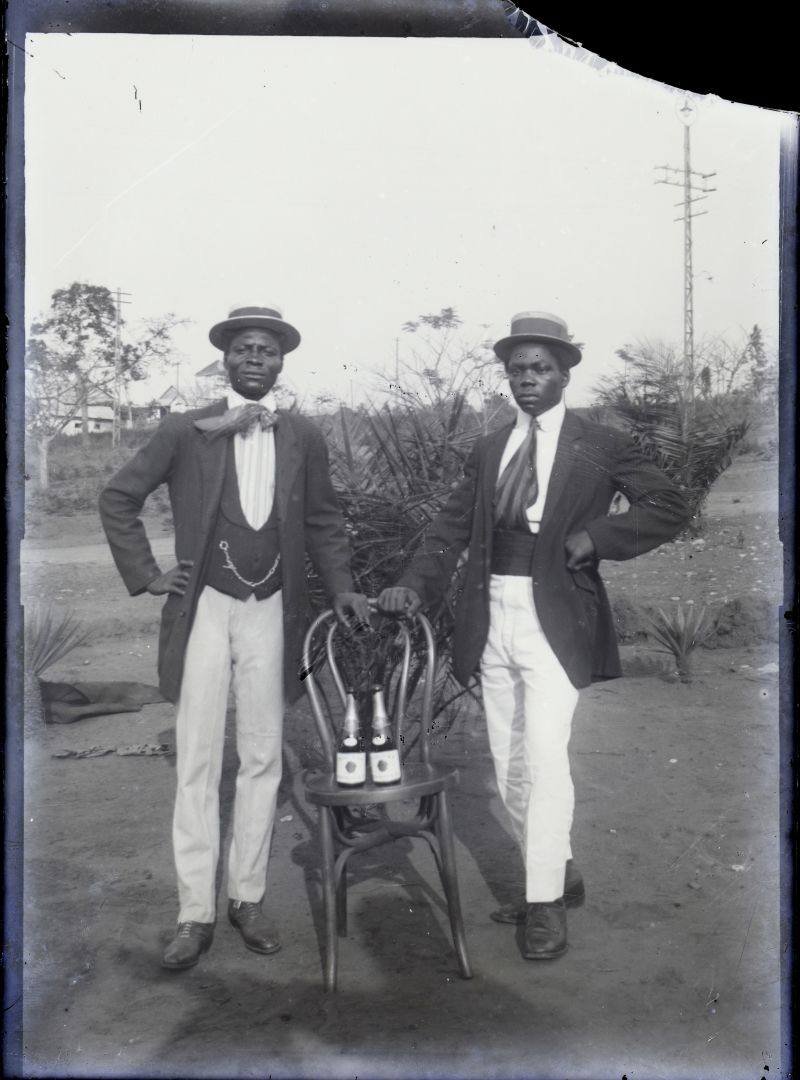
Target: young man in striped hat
532,513
251,495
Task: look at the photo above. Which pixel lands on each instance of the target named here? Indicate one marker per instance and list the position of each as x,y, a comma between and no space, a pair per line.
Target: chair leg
329,896
444,832
341,901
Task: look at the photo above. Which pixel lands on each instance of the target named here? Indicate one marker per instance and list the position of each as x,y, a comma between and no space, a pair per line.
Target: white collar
234,400
549,420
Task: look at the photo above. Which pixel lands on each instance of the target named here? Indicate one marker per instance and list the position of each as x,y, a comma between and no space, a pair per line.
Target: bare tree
439,363
723,366
73,354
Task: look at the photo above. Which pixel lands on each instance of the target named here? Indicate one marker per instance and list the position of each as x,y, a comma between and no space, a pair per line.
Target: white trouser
529,704
242,638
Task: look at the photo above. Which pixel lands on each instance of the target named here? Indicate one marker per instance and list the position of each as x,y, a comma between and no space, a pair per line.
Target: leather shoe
515,910
545,931
186,948
250,921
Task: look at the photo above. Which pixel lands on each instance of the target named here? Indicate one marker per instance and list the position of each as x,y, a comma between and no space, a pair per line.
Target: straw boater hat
539,326
259,318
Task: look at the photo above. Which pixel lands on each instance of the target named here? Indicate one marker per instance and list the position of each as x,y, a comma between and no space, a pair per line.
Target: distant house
213,379
172,400
138,416
100,415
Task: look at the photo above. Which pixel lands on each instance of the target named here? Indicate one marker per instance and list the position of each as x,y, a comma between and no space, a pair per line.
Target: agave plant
681,632
49,637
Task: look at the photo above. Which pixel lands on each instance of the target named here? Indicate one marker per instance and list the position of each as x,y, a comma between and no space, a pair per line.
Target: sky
359,183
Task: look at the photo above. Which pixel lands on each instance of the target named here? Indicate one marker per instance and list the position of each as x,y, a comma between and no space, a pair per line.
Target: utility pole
115,424
693,191
177,365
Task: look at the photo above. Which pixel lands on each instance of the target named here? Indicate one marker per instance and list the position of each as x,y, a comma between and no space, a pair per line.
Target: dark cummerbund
512,552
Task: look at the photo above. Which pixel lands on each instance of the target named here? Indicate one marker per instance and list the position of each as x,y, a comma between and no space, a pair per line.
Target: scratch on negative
683,854
698,839
21,49
146,176
747,935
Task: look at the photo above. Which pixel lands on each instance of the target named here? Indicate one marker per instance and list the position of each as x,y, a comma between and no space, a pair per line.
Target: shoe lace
185,930
248,911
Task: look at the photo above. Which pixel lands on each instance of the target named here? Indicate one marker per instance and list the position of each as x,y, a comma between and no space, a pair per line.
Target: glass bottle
351,758
384,757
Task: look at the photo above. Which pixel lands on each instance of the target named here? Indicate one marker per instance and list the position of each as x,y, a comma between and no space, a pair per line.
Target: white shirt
546,441
255,464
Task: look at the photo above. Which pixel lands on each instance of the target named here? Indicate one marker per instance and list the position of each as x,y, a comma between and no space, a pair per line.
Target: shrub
392,470
692,439
78,473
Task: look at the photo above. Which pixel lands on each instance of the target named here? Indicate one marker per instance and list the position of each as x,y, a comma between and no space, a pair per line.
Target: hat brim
571,353
290,337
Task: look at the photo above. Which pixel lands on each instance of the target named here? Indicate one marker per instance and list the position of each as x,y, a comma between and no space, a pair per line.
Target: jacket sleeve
445,538
121,503
326,538
658,510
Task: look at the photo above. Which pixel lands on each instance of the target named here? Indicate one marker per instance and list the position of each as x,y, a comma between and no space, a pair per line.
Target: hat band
263,312
540,326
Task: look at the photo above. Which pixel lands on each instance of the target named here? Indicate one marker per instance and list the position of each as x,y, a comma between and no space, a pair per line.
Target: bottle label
385,766
351,768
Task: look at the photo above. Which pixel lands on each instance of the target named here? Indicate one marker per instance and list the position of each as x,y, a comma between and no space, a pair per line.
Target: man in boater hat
251,495
532,513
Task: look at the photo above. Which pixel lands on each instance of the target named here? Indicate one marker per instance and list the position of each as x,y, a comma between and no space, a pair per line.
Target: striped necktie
518,487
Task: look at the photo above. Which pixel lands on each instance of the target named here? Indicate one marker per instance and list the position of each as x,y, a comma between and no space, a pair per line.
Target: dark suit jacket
591,464
193,467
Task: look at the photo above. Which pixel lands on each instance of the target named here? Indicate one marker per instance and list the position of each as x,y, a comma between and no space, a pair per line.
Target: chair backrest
319,652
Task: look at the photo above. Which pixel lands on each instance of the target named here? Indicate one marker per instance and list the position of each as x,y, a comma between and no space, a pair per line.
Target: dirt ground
674,965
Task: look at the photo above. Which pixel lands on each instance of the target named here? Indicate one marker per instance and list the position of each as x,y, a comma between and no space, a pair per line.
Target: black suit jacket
193,467
592,462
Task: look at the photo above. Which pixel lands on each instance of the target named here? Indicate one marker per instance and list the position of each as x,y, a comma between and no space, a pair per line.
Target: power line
694,191
115,423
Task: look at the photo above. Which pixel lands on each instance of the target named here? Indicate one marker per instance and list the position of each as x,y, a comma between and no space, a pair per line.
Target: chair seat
417,780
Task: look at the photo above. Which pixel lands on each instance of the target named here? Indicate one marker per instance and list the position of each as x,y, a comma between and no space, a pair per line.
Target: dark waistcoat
253,552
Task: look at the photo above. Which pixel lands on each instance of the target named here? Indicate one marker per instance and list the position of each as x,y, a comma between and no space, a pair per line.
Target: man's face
253,361
536,379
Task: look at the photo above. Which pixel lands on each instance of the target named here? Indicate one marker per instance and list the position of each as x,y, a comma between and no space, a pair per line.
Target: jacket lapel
568,440
495,445
211,455
287,461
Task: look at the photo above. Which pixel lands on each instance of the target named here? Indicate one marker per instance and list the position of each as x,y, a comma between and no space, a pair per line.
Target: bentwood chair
345,826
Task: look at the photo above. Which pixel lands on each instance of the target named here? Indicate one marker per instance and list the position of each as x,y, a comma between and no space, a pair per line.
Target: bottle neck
351,724
380,718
